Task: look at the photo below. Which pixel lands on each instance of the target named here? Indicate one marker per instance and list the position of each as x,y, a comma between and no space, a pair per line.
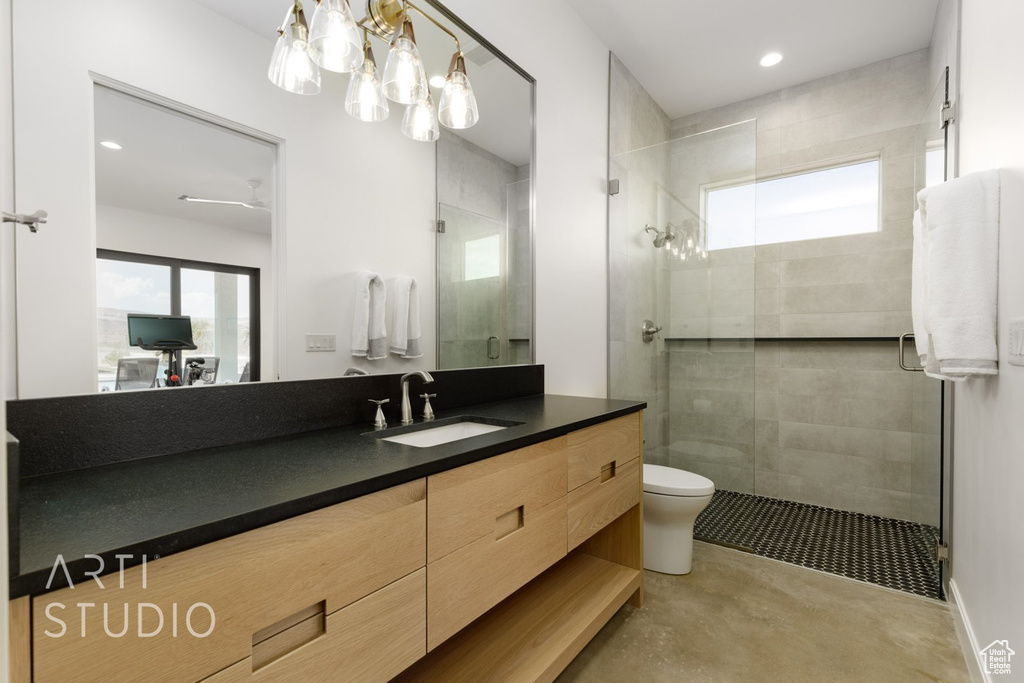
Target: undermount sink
453,430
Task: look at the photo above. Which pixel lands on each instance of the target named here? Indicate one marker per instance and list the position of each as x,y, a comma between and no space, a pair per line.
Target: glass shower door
472,295
697,374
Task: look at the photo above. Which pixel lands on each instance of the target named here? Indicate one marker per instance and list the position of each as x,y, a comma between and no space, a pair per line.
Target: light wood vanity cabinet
257,583
502,569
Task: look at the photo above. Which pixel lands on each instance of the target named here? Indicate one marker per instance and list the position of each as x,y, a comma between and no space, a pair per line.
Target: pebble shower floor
887,552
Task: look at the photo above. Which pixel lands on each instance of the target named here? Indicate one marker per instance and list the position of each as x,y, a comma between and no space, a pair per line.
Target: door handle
903,364
497,348
32,220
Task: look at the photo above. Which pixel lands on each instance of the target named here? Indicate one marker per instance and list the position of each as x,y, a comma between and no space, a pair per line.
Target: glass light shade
365,100
334,39
404,79
291,66
419,122
457,108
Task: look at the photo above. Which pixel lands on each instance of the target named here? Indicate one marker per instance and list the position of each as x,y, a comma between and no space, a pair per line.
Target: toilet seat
669,481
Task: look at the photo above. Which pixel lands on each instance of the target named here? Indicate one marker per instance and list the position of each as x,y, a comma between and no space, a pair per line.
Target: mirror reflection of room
183,229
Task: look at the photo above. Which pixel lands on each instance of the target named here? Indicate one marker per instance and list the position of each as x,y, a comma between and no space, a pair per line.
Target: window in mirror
222,301
124,287
829,202
218,304
483,258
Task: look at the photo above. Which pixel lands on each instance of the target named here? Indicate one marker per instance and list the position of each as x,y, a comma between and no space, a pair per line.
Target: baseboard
965,634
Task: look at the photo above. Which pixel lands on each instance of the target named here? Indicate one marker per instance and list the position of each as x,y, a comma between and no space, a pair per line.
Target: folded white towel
960,230
369,332
405,326
918,291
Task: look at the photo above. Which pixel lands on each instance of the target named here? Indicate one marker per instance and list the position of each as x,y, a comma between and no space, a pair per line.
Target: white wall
6,301
137,232
570,63
989,433
356,196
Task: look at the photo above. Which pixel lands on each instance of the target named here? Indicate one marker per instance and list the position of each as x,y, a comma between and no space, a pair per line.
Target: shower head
661,238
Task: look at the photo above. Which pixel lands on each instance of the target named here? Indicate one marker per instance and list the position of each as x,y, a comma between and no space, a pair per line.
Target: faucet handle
428,412
379,422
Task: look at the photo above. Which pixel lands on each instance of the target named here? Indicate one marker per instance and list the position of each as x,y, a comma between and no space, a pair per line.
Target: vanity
332,554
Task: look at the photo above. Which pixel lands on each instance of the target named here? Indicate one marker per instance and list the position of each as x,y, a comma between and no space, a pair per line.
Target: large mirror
300,198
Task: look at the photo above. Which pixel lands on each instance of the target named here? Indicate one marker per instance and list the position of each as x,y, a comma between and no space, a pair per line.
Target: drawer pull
608,471
508,523
288,634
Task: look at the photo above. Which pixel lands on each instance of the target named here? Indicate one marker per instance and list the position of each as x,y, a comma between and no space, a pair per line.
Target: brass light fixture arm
406,6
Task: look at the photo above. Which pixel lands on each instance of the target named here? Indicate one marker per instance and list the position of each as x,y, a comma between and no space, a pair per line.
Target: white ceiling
167,154
502,95
696,55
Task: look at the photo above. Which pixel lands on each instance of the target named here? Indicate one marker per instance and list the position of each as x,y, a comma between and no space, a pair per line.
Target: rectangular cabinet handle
508,523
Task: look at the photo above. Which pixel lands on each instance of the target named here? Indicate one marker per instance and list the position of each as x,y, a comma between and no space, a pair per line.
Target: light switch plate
321,342
1017,342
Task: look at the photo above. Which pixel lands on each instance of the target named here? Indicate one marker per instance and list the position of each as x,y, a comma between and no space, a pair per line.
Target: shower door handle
903,364
497,348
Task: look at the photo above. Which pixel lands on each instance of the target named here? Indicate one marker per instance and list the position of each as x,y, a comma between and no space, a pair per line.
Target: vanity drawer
483,498
251,581
594,448
600,501
466,583
373,639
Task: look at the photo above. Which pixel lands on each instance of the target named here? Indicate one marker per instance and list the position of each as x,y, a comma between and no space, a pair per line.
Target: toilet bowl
672,500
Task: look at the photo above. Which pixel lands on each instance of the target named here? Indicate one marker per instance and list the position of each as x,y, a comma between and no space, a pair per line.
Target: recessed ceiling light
771,59
438,81
110,144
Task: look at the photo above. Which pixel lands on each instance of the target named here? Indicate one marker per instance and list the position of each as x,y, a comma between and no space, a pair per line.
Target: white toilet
672,500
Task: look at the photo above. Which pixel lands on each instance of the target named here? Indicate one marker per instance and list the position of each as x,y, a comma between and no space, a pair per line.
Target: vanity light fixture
405,82
334,39
365,99
332,42
419,122
770,59
110,144
291,65
457,108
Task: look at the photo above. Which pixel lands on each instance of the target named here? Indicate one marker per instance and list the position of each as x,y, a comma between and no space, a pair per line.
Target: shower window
826,202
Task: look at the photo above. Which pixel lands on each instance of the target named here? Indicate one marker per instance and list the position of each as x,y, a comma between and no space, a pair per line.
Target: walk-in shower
780,297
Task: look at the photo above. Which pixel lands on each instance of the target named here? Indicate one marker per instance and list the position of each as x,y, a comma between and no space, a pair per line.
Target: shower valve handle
648,330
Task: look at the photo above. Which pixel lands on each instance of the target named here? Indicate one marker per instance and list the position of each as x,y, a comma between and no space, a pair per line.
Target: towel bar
903,365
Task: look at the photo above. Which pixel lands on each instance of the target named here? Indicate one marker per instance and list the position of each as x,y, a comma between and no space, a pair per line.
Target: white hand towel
960,227
405,340
369,332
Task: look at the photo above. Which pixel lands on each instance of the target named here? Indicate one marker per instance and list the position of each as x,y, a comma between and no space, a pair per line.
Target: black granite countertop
161,505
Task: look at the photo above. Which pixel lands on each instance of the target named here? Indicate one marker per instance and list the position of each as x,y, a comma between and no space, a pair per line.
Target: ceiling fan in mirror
253,203
335,41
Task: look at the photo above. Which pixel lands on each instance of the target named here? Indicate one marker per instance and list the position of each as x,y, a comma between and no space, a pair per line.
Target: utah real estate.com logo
995,659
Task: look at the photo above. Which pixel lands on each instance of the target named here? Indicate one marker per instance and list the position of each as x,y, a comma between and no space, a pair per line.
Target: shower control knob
649,330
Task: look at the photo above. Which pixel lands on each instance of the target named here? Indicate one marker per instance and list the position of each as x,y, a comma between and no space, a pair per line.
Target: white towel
405,341
960,240
369,333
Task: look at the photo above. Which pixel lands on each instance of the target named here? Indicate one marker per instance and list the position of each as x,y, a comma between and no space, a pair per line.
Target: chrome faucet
406,408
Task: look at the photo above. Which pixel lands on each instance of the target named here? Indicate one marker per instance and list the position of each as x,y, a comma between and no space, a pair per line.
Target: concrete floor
740,617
